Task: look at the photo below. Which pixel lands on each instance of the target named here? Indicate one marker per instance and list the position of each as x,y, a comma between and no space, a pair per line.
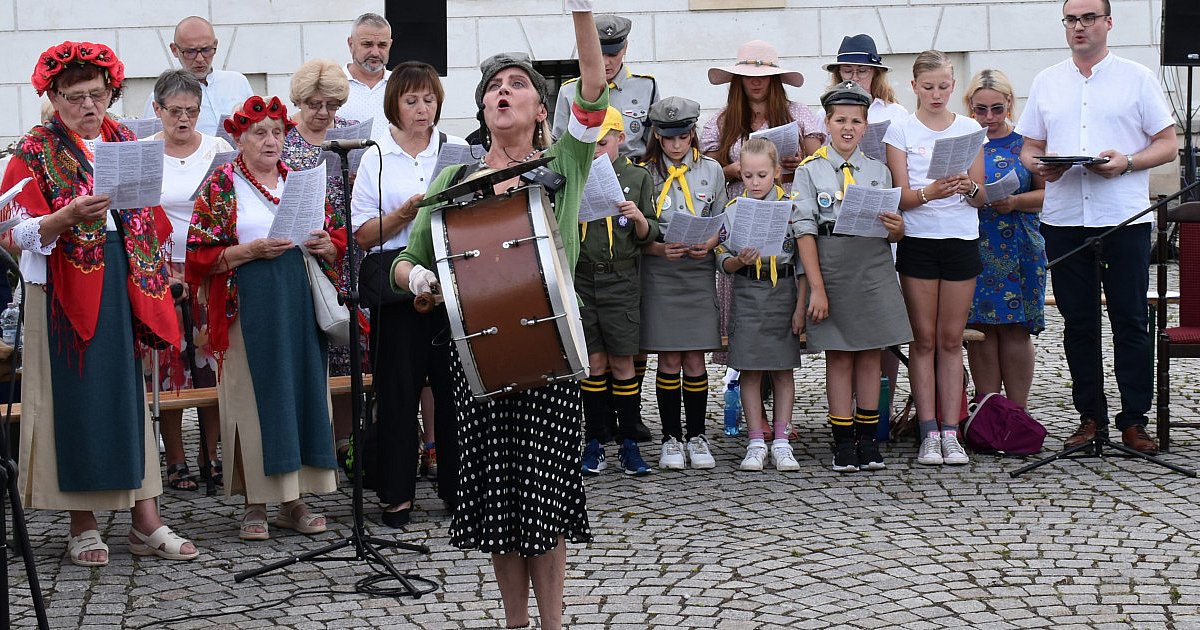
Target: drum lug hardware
483,333
550,378
534,322
503,390
518,241
470,253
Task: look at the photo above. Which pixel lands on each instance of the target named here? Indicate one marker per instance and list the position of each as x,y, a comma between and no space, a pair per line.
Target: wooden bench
207,396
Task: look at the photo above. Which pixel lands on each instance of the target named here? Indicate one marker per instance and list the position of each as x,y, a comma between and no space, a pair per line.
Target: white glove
421,280
579,6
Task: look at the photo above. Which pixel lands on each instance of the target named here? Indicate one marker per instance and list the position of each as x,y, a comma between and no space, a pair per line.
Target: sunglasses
982,110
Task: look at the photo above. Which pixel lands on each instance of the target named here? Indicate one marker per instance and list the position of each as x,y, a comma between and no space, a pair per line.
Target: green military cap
674,115
846,93
612,29
492,66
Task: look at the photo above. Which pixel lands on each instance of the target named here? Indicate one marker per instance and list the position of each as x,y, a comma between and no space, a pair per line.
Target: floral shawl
213,229
76,264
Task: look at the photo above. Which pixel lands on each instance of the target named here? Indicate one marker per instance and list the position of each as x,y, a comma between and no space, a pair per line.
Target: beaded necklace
532,154
254,180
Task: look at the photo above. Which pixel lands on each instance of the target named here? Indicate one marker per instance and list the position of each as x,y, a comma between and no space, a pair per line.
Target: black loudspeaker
418,32
1180,33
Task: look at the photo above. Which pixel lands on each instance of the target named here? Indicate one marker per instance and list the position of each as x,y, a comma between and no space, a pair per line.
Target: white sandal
163,543
87,540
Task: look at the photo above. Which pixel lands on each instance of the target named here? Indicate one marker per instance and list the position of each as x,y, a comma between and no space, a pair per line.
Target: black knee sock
596,410
669,389
639,367
695,403
843,428
626,402
866,423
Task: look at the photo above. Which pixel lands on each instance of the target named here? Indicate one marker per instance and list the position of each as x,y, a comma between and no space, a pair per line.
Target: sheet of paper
221,133
952,156
1001,188
601,193
301,206
785,137
130,173
361,131
451,154
691,230
142,127
220,159
13,192
872,140
860,210
759,224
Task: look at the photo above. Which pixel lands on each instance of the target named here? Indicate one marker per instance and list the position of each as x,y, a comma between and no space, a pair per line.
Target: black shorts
952,259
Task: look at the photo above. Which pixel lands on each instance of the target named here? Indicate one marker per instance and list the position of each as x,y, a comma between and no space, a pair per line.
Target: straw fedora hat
755,59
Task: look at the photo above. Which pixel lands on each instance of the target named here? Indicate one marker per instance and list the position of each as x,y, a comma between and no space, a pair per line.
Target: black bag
374,280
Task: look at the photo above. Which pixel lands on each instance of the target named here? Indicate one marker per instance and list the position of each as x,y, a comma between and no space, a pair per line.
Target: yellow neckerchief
847,168
780,195
612,85
607,221
678,172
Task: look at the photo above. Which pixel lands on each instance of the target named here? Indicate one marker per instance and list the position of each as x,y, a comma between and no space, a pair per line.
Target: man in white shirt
1099,104
370,40
195,46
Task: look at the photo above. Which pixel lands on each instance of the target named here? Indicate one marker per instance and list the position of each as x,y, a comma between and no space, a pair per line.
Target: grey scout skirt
866,308
679,304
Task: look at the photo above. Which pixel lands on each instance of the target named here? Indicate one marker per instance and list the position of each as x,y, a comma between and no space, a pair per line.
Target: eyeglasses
191,53
178,112
860,71
982,110
1086,19
99,97
316,106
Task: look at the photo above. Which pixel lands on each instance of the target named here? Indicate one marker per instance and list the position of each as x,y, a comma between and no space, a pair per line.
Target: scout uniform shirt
614,238
632,95
769,267
698,189
821,184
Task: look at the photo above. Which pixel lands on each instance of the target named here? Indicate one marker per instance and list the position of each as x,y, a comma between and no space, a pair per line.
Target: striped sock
626,402
695,403
843,428
866,422
593,392
669,390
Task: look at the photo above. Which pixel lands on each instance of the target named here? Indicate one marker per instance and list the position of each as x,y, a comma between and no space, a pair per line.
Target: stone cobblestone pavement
1110,543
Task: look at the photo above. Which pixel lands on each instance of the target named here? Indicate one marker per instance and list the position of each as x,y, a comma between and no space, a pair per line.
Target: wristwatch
1128,165
974,191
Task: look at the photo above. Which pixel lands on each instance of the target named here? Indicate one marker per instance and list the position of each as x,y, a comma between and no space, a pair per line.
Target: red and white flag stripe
585,125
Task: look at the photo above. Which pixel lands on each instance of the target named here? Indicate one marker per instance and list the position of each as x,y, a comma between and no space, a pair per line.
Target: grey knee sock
927,427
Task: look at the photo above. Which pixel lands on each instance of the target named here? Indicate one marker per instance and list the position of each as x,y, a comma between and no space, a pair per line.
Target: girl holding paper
939,256
1010,296
766,318
855,307
679,302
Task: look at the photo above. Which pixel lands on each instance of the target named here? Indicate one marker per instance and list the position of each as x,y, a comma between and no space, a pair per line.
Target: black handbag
374,280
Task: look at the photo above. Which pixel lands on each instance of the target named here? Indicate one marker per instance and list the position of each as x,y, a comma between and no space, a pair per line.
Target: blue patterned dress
1012,287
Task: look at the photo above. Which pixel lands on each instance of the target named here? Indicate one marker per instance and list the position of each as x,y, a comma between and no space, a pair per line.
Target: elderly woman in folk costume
96,287
272,383
521,500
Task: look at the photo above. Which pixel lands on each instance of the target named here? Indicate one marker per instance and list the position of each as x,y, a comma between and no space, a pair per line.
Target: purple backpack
998,425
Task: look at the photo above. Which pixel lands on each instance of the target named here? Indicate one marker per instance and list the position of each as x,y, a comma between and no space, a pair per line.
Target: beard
372,65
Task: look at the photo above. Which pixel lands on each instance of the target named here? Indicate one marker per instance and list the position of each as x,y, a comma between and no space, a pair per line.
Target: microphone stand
366,547
8,484
1095,446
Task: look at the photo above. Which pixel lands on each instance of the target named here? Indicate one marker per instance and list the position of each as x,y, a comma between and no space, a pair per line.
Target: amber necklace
254,180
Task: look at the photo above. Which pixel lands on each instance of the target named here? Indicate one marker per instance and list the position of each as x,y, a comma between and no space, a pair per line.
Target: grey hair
373,19
173,82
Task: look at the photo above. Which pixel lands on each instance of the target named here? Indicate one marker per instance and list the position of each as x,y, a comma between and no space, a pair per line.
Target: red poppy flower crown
254,110
57,58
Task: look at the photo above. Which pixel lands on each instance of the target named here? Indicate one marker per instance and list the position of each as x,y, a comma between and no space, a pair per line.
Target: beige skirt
242,456
38,473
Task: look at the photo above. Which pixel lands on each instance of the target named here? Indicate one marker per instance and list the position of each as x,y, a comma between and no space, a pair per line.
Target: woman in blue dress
1010,294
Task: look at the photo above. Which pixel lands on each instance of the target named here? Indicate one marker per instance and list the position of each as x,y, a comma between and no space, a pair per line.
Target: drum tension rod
503,390
518,241
483,333
550,378
470,253
534,322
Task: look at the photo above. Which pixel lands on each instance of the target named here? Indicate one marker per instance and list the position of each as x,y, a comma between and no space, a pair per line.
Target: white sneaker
672,456
931,450
781,454
699,454
756,456
952,452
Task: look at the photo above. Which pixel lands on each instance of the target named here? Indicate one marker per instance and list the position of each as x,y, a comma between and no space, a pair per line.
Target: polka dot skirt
521,477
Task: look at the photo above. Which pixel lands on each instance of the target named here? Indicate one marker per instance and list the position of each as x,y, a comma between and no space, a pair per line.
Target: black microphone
346,145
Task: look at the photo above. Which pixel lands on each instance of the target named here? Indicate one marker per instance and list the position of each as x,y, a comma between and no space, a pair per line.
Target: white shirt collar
389,144
350,77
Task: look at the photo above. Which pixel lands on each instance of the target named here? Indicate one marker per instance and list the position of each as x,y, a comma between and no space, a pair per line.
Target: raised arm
587,42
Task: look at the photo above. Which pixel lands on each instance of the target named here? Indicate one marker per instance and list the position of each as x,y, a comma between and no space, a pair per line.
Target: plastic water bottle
733,408
883,434
8,324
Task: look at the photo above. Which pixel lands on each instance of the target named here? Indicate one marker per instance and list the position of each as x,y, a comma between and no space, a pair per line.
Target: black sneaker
869,457
845,456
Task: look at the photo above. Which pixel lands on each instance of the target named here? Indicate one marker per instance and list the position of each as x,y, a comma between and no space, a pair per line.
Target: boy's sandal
87,540
305,524
179,477
163,543
254,524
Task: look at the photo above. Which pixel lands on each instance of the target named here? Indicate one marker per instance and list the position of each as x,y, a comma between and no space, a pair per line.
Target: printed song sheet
451,154
859,214
7,197
130,173
361,131
759,224
785,137
301,206
1001,188
872,140
220,159
692,230
601,193
142,127
952,156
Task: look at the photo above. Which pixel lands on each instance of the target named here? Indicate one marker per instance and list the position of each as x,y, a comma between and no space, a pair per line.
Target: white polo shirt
1119,107
224,92
404,175
366,103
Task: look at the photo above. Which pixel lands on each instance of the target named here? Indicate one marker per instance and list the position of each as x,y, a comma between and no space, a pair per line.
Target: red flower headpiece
254,110
57,58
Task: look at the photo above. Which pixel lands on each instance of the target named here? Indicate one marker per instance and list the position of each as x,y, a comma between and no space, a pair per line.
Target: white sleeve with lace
27,235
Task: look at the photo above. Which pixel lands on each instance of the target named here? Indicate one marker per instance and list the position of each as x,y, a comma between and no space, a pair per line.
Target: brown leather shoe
1085,433
1135,437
